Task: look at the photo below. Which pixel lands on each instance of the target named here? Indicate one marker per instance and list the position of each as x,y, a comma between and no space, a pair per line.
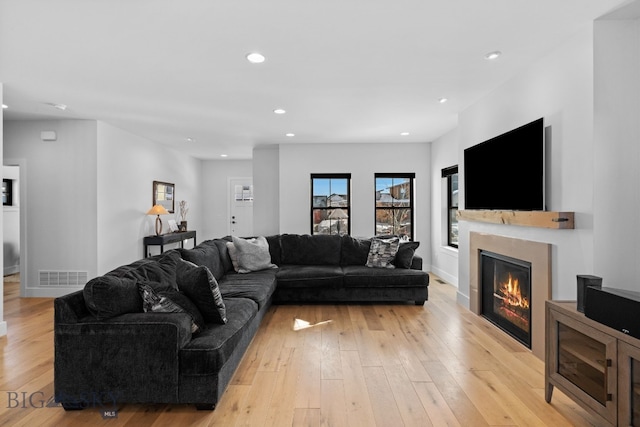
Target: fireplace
538,255
505,284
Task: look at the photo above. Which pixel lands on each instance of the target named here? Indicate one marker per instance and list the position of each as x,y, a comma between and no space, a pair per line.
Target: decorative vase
183,225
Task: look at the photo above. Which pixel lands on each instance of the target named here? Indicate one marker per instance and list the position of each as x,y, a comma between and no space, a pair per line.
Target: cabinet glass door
629,384
583,361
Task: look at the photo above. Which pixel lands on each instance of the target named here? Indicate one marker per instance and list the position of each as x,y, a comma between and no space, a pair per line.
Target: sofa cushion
159,269
170,302
382,252
274,248
207,254
225,259
354,251
404,256
198,283
110,296
257,286
363,277
208,351
310,250
309,276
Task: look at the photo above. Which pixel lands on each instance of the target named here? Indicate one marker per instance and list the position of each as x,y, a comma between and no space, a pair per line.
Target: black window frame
411,176
448,173
346,209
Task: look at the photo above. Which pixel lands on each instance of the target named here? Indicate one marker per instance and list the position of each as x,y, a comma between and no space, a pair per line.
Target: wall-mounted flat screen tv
507,172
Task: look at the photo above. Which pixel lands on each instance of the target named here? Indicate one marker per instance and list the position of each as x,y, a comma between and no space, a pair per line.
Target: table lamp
158,210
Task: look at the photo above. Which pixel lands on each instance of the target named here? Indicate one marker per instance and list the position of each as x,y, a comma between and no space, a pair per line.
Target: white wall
266,189
297,162
617,153
61,198
127,165
88,194
559,87
444,259
3,324
11,224
215,194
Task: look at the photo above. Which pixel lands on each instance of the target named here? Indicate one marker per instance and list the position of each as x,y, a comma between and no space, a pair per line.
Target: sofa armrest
416,262
133,357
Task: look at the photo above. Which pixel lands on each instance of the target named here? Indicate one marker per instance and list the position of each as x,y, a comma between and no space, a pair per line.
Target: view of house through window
451,174
330,204
394,204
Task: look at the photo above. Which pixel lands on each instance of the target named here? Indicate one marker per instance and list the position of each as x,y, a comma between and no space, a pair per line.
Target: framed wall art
164,195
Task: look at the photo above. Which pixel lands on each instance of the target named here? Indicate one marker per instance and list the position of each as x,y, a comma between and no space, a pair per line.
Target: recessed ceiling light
191,139
5,106
442,100
279,111
255,58
290,135
224,155
493,55
404,133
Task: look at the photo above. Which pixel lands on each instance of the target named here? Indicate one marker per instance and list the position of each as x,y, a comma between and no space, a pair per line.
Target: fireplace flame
510,293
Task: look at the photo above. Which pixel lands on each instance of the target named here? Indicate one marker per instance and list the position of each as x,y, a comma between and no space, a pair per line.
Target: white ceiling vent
63,278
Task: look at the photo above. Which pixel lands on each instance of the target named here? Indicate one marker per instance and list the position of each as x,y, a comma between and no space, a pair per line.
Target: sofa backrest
207,253
304,249
160,269
354,251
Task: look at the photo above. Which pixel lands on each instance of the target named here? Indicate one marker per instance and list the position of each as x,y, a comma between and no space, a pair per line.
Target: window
451,174
330,204
394,204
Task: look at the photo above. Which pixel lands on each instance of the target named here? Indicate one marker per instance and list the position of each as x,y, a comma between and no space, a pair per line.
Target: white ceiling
346,71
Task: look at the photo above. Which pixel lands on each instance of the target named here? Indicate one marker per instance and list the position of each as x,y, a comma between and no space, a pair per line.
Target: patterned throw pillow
199,284
383,252
170,302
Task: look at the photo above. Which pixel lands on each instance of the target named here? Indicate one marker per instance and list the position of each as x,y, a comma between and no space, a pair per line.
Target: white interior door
241,207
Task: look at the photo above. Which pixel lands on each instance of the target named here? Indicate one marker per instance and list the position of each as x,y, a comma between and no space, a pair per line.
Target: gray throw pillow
199,284
383,252
253,254
233,254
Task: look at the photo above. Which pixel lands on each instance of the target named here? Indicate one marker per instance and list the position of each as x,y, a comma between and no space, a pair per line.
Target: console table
164,239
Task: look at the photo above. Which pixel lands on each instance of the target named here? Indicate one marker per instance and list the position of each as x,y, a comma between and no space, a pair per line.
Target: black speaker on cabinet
584,281
616,308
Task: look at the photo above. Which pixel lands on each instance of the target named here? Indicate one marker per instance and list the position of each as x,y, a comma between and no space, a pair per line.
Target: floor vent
63,278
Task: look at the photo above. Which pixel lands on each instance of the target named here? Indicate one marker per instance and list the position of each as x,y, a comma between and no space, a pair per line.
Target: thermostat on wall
48,135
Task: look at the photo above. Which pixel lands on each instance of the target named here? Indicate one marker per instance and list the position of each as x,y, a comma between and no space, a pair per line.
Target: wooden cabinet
596,366
628,384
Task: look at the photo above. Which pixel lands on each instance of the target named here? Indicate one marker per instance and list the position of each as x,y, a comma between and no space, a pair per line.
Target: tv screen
507,172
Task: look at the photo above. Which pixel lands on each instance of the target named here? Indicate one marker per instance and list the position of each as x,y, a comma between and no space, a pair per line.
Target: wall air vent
63,278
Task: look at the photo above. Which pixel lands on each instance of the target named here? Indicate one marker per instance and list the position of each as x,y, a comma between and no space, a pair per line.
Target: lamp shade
157,210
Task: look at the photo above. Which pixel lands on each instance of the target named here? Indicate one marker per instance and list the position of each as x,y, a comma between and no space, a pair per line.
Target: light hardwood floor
354,365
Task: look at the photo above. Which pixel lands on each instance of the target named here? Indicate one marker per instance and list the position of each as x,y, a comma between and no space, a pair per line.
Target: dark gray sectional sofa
109,351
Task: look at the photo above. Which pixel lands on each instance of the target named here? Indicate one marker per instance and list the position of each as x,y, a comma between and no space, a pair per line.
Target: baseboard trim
449,278
463,300
12,269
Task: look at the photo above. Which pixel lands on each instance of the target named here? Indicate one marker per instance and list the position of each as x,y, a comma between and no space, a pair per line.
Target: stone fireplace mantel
538,254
